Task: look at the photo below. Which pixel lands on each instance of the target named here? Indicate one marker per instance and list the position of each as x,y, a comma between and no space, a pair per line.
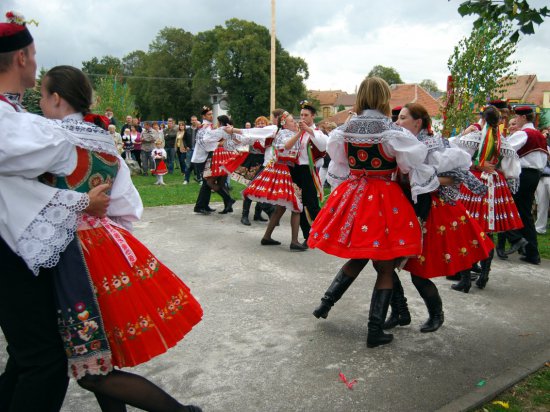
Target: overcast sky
340,40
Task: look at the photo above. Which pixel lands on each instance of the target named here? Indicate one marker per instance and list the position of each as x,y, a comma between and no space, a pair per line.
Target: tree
517,11
113,93
389,74
429,85
236,58
108,65
481,70
31,98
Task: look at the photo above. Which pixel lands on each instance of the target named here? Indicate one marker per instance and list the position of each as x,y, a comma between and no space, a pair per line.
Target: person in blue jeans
170,134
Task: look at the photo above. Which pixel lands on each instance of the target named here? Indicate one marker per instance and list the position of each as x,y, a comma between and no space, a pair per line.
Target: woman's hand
446,181
487,168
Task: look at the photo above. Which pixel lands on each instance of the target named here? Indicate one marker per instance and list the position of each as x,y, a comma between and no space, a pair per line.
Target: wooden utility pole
273,44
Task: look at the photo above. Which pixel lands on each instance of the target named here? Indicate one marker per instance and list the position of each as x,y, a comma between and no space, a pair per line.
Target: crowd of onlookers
136,140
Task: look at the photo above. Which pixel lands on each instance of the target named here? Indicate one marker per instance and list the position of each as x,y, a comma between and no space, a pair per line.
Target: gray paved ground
259,348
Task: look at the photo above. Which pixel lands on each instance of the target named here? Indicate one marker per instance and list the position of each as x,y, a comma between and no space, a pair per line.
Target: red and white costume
274,184
368,216
451,240
495,211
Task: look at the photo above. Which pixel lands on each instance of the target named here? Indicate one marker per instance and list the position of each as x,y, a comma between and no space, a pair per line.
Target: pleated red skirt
367,218
495,211
225,162
274,185
452,241
146,309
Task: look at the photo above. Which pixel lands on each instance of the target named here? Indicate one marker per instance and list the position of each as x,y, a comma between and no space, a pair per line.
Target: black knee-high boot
334,292
246,211
379,304
465,282
400,314
485,269
429,293
227,201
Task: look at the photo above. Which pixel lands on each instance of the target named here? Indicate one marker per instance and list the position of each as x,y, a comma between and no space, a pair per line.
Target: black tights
384,270
118,389
425,287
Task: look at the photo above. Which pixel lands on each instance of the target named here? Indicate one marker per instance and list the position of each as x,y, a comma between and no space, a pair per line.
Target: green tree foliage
481,69
114,93
429,85
95,68
164,76
236,58
389,74
516,11
31,98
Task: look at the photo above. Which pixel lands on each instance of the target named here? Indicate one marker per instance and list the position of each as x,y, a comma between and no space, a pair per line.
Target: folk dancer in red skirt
125,309
451,240
368,216
252,166
274,184
497,165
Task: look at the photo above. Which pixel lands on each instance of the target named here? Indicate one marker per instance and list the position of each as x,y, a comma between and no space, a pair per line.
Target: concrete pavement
259,348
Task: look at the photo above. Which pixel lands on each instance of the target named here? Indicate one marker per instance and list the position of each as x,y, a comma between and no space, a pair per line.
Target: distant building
401,94
527,89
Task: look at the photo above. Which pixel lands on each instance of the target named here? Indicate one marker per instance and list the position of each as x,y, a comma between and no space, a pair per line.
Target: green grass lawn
530,395
175,193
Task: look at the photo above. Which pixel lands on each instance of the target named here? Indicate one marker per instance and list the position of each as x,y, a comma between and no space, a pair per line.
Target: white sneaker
162,184
185,182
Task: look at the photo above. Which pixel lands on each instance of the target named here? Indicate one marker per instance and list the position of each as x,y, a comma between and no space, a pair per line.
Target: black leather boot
334,292
246,211
379,304
465,282
485,269
435,310
400,314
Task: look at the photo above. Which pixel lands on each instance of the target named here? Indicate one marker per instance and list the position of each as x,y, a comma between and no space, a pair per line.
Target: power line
136,77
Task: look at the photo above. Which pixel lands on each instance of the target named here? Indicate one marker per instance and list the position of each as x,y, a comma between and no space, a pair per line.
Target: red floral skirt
160,168
223,160
274,185
146,309
452,242
496,210
367,218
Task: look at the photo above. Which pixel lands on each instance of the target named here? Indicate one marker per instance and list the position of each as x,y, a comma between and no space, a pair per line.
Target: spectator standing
170,134
148,139
181,148
109,115
158,133
135,122
126,125
190,139
136,141
116,138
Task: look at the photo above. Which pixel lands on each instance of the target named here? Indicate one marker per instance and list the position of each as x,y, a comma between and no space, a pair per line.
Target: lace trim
97,363
427,182
88,136
513,184
52,230
433,143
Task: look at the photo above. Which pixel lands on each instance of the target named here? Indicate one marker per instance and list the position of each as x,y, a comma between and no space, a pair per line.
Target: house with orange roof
401,94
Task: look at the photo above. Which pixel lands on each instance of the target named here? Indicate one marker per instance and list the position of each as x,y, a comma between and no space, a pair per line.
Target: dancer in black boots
367,216
452,242
497,164
400,314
